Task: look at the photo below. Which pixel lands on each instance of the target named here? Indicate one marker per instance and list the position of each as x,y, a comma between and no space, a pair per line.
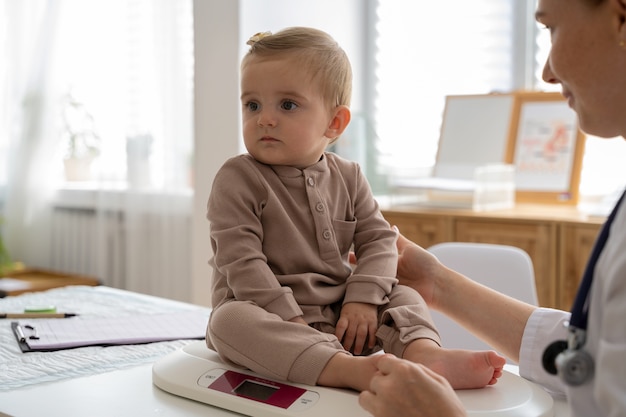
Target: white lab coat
605,394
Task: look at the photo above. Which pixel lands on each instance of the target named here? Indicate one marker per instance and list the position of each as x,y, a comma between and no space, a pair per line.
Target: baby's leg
347,371
408,330
247,335
464,369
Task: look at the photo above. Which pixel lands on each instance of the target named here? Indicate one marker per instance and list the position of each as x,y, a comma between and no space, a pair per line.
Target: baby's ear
619,6
339,122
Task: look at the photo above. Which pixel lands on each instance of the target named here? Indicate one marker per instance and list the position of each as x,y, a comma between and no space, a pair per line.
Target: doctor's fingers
390,379
381,405
408,389
410,376
390,363
388,397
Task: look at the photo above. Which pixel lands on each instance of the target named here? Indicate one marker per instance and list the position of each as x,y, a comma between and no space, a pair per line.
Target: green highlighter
43,309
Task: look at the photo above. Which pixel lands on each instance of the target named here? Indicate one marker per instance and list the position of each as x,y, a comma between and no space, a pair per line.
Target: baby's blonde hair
318,52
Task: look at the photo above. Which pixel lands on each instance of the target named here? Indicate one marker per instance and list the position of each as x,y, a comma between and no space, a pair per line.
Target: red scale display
257,389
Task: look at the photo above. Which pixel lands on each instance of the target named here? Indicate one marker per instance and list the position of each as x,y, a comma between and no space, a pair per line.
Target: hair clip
257,37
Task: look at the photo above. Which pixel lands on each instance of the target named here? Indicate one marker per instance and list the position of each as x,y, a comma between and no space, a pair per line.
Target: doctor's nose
547,75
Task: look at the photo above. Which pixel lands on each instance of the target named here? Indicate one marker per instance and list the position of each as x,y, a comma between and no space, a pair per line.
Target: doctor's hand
403,388
418,269
356,327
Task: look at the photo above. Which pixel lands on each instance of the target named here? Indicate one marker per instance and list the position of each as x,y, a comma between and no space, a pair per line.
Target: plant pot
78,169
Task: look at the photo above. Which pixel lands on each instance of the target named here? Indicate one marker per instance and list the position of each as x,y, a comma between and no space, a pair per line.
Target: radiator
145,252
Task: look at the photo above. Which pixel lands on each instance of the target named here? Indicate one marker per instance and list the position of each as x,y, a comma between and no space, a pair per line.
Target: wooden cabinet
424,229
21,281
558,239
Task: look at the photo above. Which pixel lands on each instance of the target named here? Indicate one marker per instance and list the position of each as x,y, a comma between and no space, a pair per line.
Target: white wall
222,28
216,105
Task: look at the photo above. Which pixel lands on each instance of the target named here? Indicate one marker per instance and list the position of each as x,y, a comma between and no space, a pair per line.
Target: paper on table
12,284
57,334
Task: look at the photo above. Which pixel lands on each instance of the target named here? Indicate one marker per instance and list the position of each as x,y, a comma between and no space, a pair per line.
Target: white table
121,392
128,392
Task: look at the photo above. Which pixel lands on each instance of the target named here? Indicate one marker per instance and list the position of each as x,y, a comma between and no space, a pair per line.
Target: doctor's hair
316,51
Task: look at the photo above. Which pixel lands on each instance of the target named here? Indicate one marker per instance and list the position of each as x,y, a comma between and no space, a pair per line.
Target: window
450,47
426,53
131,62
603,164
117,73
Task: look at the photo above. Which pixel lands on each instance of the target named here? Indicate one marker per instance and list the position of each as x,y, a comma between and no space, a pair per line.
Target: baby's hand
357,325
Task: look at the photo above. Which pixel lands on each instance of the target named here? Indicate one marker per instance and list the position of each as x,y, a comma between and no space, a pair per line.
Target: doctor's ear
340,119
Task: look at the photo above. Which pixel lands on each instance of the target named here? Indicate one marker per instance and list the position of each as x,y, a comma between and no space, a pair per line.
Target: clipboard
47,335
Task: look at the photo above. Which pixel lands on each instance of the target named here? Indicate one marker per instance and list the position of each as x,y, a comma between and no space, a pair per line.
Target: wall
216,105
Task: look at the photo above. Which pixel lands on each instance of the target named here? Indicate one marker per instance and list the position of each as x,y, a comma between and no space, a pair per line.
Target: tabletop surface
114,387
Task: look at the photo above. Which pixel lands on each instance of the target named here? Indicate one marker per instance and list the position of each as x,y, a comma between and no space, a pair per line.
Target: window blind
425,52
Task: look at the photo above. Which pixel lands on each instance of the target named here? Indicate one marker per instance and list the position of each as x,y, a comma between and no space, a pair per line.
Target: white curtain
27,118
118,74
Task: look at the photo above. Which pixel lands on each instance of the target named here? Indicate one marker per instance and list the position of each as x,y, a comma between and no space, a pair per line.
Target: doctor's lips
568,96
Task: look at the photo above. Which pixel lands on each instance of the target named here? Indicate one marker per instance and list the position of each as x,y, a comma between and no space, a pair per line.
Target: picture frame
475,131
546,146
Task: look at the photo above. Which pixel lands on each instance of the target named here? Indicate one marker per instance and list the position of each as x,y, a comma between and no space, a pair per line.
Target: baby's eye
252,106
288,105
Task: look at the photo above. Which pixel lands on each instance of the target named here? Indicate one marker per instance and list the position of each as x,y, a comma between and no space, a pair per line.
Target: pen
36,315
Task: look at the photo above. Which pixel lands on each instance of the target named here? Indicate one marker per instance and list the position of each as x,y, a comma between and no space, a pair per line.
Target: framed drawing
546,147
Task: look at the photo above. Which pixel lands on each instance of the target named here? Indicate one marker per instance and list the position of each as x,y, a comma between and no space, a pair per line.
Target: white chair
506,269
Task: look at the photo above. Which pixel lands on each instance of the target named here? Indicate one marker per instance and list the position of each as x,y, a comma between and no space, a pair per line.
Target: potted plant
83,143
6,263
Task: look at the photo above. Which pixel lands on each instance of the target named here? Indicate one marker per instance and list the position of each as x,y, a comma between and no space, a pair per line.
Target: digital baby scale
196,372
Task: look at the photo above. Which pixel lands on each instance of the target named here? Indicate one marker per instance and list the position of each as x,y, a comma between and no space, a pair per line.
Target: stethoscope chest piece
575,367
568,360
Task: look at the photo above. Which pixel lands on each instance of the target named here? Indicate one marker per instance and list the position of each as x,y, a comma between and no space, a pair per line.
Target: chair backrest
506,269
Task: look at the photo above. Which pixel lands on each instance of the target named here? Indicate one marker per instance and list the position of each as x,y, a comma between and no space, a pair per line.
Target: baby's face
285,120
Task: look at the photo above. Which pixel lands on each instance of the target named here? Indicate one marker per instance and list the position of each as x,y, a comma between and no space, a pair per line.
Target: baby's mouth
268,139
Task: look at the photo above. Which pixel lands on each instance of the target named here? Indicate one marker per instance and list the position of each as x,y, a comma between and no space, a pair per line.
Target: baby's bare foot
464,369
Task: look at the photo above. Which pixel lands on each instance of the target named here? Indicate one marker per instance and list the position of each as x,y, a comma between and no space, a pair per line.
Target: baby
284,217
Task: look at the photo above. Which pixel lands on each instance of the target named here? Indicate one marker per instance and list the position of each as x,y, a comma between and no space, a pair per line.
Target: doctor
587,349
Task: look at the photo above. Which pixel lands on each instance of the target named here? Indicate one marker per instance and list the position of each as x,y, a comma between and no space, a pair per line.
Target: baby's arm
299,320
240,264
357,326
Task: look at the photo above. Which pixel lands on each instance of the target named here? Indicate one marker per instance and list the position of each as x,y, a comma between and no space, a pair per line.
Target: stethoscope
567,358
